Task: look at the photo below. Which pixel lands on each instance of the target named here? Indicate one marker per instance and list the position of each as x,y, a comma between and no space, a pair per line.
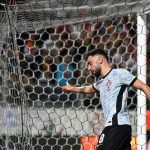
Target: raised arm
138,84
83,89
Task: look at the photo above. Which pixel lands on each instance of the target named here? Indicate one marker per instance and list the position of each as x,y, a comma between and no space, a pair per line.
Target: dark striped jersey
113,91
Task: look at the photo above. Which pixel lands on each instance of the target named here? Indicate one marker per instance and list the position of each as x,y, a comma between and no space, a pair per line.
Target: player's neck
105,70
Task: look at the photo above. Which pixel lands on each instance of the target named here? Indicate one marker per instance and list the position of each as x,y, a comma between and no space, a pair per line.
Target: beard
97,72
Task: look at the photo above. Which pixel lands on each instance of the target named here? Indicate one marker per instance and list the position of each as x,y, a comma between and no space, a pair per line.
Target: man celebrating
112,86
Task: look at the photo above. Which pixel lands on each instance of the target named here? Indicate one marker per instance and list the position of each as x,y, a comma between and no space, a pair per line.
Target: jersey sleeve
126,77
95,86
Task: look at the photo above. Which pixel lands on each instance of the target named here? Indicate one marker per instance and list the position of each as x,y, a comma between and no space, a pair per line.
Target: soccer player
112,86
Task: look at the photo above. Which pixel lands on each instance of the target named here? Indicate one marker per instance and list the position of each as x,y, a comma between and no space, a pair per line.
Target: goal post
141,63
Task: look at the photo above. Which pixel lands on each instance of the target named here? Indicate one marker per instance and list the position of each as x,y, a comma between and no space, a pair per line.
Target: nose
88,67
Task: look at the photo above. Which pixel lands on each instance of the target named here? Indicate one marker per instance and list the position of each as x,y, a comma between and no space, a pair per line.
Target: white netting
34,14
14,132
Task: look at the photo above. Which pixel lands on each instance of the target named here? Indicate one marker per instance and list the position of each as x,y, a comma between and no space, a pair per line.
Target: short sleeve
95,86
126,77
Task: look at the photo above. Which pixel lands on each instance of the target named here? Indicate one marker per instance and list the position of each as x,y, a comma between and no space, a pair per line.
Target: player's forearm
75,89
138,84
146,90
83,89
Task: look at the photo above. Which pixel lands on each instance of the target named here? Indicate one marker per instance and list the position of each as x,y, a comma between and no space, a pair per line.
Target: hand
67,88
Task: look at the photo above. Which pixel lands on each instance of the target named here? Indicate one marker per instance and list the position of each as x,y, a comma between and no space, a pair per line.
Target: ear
100,59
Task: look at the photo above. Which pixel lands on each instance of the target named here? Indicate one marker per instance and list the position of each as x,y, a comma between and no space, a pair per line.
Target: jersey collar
106,74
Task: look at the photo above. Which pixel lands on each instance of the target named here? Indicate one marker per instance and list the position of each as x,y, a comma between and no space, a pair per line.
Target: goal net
42,45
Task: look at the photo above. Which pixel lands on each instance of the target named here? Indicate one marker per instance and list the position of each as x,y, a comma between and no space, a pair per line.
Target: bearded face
94,65
96,70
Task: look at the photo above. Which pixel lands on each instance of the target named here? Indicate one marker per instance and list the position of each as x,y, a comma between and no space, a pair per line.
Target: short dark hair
97,51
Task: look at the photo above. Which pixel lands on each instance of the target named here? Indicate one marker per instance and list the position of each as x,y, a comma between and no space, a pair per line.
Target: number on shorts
101,139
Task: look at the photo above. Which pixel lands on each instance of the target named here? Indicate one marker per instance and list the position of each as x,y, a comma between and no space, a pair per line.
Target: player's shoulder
119,71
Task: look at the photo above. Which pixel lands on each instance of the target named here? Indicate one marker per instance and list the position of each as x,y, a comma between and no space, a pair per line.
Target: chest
108,88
